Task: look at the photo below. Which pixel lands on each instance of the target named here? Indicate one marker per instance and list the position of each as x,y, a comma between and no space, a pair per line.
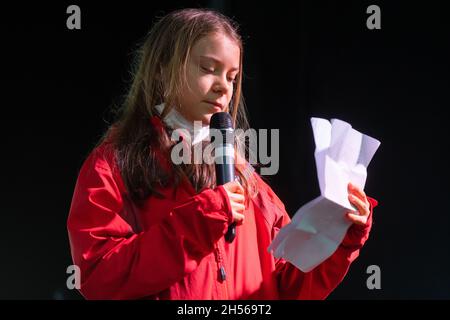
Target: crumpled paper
342,155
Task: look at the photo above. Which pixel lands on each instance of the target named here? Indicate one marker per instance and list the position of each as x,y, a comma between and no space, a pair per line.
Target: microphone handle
231,233
225,173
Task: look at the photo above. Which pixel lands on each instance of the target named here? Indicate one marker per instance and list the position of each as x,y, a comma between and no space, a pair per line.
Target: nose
221,86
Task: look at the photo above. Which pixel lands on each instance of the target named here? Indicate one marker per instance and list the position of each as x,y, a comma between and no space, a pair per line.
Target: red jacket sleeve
118,263
322,280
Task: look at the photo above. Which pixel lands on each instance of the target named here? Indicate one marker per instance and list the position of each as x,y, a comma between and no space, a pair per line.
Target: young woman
141,226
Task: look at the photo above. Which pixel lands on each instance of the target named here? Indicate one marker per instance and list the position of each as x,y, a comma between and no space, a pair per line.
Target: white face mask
176,121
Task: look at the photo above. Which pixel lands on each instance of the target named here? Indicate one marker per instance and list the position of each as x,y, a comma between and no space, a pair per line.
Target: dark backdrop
302,59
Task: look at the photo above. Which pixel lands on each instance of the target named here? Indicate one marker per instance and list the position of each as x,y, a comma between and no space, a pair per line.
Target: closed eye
208,70
233,77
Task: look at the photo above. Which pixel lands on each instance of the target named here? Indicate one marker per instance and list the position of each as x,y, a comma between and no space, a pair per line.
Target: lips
217,104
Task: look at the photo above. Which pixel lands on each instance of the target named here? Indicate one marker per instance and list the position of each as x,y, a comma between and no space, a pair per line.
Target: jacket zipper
220,266
222,275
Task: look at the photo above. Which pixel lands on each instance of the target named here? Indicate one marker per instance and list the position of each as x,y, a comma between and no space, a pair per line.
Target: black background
302,59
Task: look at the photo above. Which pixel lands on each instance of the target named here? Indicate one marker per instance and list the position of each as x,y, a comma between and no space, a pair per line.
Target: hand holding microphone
235,193
224,163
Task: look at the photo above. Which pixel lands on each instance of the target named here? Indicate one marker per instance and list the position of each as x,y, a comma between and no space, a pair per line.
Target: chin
207,119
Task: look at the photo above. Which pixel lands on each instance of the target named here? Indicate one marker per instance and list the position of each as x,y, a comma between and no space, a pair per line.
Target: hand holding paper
342,155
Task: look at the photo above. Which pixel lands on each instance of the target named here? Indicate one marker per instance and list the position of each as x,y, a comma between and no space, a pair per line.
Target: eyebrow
219,62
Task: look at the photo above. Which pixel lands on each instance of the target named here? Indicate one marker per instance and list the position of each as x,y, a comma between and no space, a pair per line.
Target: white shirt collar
176,121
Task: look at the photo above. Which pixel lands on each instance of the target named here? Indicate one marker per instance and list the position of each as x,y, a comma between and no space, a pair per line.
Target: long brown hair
158,75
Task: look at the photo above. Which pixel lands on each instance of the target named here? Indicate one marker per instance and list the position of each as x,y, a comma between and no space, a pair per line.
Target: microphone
224,157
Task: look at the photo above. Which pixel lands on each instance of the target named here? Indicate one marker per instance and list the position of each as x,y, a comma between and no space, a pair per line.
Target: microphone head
221,121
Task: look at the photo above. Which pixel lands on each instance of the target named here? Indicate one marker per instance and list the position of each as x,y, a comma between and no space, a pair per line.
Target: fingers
238,207
238,212
237,187
352,189
238,218
357,219
358,198
234,187
360,205
236,197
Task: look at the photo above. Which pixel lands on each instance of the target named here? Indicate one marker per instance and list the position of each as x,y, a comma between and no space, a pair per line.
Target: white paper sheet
342,155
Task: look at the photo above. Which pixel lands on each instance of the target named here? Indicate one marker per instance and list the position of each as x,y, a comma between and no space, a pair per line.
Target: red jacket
173,248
